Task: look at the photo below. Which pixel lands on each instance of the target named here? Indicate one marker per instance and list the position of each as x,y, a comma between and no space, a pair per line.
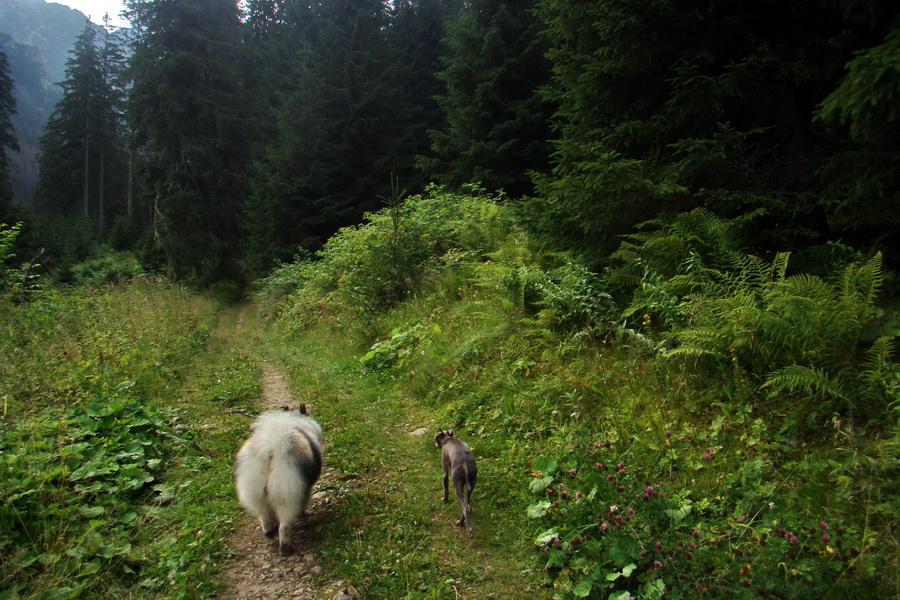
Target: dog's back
277,467
458,464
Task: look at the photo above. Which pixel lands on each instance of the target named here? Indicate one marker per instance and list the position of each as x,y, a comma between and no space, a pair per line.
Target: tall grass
85,439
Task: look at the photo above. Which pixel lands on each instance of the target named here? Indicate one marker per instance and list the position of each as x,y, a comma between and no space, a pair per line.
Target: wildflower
599,465
603,527
668,433
572,472
366,580
561,486
707,456
629,511
657,564
578,494
823,525
825,538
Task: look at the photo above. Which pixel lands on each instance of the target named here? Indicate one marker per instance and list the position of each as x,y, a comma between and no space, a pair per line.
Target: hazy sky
95,9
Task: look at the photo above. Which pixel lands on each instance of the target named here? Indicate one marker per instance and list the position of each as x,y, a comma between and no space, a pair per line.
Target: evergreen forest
640,254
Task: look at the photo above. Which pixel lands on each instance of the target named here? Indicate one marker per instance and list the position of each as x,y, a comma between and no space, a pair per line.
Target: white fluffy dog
276,469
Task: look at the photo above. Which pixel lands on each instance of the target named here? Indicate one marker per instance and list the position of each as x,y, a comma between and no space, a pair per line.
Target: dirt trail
257,571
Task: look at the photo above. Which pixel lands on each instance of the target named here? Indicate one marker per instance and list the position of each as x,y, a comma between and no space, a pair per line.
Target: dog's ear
285,408
450,433
302,409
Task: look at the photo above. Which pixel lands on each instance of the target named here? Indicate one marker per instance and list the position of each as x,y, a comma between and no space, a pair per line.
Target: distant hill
35,99
36,37
51,28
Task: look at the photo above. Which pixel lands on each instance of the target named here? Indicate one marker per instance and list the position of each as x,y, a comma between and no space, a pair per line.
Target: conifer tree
188,114
339,128
69,181
8,141
665,106
497,126
418,28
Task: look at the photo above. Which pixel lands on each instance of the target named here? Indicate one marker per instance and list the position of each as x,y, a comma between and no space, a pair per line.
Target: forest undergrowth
694,421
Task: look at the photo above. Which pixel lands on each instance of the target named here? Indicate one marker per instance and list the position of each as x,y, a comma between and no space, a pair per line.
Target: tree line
218,140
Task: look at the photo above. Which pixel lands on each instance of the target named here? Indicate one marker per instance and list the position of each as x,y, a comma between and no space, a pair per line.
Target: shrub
107,268
363,270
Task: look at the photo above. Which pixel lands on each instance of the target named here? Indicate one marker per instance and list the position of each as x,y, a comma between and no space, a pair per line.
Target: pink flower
657,564
578,494
572,471
823,525
366,580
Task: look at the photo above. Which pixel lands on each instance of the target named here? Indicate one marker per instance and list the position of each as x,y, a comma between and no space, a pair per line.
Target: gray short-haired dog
458,462
276,469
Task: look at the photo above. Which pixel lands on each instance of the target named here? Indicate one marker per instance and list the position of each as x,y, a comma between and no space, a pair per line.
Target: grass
535,406
388,524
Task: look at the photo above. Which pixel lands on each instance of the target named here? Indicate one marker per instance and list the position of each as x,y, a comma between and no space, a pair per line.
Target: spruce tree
418,28
665,105
188,114
338,128
497,126
69,178
8,141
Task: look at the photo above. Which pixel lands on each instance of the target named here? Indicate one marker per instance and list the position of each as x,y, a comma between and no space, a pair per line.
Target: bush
106,269
366,269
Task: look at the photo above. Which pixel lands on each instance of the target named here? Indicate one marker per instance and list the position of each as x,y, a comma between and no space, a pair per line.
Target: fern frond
812,381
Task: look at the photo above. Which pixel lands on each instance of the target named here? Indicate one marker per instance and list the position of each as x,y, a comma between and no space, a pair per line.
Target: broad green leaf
544,465
539,509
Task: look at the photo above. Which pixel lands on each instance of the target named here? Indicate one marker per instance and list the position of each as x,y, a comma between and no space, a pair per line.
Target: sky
95,9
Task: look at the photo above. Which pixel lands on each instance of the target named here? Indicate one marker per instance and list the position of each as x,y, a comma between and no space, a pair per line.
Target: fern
811,381
797,334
